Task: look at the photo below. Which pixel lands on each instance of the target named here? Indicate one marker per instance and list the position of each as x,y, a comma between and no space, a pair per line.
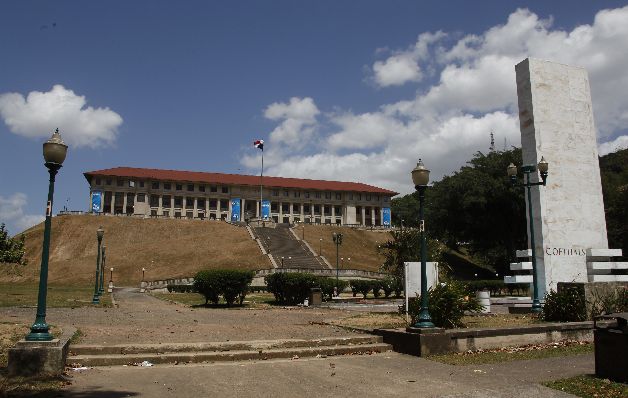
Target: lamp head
543,165
111,269
143,269
100,233
55,149
420,175
511,170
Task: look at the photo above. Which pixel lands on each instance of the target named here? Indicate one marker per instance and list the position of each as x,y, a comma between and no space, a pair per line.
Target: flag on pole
259,144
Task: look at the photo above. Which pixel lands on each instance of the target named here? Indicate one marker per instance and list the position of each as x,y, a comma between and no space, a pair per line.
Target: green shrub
398,286
615,300
231,284
327,286
180,288
361,286
566,305
290,288
447,305
387,285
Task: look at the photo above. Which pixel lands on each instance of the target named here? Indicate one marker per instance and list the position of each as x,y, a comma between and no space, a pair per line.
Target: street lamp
543,166
143,271
320,247
110,287
282,261
55,151
102,271
337,237
99,234
420,178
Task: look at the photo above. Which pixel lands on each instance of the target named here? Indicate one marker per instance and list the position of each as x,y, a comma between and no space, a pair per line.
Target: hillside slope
166,248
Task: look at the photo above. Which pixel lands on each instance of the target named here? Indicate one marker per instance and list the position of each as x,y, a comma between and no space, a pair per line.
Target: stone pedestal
110,287
143,285
40,358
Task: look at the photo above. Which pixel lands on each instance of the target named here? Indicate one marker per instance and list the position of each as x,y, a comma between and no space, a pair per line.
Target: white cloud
620,142
12,213
40,113
474,93
298,118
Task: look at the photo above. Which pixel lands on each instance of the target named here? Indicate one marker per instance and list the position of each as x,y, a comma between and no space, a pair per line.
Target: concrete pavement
378,375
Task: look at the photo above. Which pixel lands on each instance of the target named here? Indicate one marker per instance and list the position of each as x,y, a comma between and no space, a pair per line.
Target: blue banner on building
235,209
96,201
265,209
386,216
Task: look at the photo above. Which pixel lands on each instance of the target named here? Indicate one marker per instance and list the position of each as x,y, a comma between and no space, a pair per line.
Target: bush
447,304
290,288
398,287
566,305
361,286
387,285
180,288
327,286
615,300
231,284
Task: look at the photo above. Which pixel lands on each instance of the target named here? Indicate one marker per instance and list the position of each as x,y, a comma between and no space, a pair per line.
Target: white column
160,205
242,208
363,210
124,203
372,215
195,209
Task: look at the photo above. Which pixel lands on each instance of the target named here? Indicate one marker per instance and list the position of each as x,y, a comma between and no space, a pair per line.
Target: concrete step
81,349
224,356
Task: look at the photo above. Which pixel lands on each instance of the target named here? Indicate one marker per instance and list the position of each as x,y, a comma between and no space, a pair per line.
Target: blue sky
342,90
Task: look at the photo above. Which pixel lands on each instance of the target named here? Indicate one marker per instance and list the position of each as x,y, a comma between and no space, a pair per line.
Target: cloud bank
473,93
39,113
12,213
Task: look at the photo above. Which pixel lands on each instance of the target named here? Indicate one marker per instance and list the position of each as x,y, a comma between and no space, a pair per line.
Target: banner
96,201
386,216
235,209
265,209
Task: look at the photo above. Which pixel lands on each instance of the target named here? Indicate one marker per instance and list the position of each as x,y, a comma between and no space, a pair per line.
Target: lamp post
420,178
337,237
99,234
143,283
320,247
102,271
282,261
110,288
543,166
55,151
143,271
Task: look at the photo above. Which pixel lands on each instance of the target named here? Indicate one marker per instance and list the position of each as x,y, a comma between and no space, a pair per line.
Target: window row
166,185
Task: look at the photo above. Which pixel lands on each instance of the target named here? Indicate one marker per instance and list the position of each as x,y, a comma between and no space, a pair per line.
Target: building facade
197,195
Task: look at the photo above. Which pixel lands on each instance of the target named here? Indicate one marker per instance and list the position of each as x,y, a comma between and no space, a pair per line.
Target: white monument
556,122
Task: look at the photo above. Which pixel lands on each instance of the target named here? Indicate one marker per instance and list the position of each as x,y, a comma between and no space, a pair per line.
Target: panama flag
259,144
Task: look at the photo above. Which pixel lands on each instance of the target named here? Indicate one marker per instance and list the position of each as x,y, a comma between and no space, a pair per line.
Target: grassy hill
166,248
169,249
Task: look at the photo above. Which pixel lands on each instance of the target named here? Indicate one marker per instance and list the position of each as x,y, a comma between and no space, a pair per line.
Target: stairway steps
225,356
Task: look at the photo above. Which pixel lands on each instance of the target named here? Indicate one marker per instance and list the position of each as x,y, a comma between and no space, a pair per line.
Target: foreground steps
130,354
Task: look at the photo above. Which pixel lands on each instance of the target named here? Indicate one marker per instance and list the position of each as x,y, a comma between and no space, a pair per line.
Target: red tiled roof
236,179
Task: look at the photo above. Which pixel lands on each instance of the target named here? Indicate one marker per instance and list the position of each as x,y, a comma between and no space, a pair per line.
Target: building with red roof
236,197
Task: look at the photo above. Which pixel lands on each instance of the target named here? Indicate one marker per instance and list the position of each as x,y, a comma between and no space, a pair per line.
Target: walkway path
141,318
380,375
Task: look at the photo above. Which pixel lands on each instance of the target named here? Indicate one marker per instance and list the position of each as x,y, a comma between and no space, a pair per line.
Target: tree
475,209
11,249
406,246
614,173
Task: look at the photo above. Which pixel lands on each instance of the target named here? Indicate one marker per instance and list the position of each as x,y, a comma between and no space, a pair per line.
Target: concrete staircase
280,242
169,353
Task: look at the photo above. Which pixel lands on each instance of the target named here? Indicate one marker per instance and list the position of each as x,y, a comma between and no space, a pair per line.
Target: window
141,184
155,185
224,204
98,181
225,189
179,187
386,198
167,186
178,201
285,208
307,194
295,208
368,196
327,195
359,196
190,187
165,201
317,209
306,208
351,196
273,207
201,188
200,203
275,192
108,181
131,184
286,193
338,210
154,201
338,196
317,195
297,194
119,182
141,198
377,198
189,203
213,188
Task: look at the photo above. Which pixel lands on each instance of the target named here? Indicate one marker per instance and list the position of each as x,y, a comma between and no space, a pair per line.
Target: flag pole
261,191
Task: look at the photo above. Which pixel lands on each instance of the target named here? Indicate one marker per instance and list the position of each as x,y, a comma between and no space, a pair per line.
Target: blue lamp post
99,234
527,170
420,178
55,151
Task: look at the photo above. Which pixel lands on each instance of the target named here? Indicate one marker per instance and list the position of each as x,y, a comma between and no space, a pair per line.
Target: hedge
327,286
180,288
362,286
231,284
290,288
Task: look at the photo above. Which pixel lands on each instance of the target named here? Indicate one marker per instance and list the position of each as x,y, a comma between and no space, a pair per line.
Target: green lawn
25,295
590,386
532,351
